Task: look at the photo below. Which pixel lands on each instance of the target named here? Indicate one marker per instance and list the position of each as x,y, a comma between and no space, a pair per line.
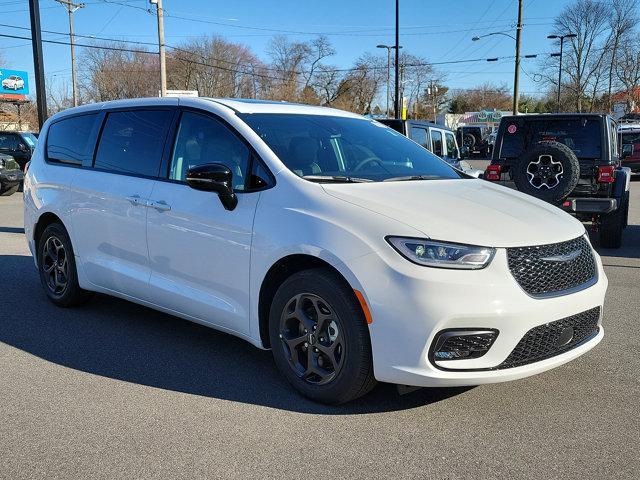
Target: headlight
2,163
441,254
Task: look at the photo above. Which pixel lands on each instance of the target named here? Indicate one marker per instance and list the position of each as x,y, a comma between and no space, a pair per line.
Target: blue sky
437,30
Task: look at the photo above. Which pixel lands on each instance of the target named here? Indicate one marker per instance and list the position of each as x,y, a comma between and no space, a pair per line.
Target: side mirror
627,150
22,147
464,152
214,177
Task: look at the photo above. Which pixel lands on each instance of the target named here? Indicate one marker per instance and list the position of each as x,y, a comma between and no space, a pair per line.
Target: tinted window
202,139
344,147
419,135
436,142
71,139
8,141
582,135
132,141
451,145
613,138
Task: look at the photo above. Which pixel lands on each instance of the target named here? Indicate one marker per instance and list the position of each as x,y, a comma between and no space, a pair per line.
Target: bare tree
585,55
628,69
622,21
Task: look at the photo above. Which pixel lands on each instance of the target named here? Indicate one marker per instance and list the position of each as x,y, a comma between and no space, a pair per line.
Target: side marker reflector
365,307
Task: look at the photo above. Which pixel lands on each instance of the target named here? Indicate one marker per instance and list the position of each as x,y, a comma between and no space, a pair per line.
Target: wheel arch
276,276
46,219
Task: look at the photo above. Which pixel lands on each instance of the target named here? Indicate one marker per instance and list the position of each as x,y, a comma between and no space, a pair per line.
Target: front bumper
410,304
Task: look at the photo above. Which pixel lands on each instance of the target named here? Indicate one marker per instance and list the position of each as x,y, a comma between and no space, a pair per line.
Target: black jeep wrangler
475,138
569,160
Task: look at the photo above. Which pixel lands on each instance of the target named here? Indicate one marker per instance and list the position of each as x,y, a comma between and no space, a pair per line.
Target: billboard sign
14,82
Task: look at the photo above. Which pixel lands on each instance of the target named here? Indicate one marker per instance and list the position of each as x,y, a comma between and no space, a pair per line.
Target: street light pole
38,60
516,78
561,37
161,47
397,62
71,9
388,47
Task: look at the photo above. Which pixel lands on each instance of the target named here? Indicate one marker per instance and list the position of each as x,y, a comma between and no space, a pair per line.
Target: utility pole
516,79
71,9
433,91
161,49
38,60
397,62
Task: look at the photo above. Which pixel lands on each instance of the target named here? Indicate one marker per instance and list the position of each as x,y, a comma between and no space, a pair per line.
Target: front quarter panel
299,217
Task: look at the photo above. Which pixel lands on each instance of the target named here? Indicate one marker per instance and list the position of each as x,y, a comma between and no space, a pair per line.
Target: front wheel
319,337
9,191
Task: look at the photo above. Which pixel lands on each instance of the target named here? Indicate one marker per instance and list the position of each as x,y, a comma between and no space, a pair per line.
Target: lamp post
516,76
389,48
561,37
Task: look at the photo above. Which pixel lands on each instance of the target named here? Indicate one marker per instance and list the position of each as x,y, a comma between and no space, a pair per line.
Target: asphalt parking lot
115,390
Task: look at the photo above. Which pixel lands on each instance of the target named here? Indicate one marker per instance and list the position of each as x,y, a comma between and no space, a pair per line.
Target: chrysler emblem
566,257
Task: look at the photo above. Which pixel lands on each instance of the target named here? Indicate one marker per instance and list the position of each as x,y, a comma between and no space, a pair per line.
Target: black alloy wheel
320,338
55,266
311,339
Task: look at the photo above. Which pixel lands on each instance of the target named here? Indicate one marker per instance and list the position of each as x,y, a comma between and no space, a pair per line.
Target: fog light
460,344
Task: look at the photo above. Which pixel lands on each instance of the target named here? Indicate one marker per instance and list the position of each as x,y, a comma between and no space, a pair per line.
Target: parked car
437,139
350,251
629,139
19,145
569,160
476,139
10,175
13,82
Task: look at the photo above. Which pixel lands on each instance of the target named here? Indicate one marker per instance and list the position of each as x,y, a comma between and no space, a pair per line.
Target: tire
611,227
468,140
625,210
549,171
57,268
321,294
9,191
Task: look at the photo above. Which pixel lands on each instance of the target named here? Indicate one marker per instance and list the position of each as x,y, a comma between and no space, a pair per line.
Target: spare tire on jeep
549,171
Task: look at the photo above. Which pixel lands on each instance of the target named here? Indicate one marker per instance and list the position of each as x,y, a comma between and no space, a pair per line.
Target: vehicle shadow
11,230
128,342
630,243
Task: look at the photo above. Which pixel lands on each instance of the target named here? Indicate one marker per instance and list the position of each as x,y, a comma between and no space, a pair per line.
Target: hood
464,211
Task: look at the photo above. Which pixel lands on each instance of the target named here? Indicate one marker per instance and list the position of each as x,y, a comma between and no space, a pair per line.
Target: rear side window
132,141
436,142
419,135
582,135
70,140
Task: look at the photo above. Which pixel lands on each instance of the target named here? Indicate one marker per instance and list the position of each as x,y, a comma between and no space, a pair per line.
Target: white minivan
350,251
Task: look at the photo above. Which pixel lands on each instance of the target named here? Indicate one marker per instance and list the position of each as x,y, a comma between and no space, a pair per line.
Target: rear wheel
319,337
57,268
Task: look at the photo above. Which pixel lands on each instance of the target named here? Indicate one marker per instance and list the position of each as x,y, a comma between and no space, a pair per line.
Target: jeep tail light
605,174
492,173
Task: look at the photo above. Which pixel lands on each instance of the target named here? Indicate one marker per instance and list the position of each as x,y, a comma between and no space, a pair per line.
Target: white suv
13,82
352,252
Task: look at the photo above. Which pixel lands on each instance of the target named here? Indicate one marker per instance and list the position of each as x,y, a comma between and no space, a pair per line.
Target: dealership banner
14,82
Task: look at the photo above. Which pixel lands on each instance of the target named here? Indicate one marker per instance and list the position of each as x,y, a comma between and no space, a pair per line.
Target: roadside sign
182,93
14,84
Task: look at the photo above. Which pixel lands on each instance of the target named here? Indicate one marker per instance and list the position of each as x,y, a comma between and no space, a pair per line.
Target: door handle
134,200
159,205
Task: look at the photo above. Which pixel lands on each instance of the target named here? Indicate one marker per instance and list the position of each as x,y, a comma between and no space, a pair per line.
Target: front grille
549,269
550,339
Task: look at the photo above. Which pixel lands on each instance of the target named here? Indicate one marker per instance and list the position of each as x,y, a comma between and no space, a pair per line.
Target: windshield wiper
411,177
335,179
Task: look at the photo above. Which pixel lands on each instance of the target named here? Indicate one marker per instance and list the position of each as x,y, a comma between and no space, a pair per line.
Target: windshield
582,135
321,147
30,139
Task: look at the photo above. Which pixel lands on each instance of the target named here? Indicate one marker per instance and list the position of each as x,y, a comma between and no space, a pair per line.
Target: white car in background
13,82
350,251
